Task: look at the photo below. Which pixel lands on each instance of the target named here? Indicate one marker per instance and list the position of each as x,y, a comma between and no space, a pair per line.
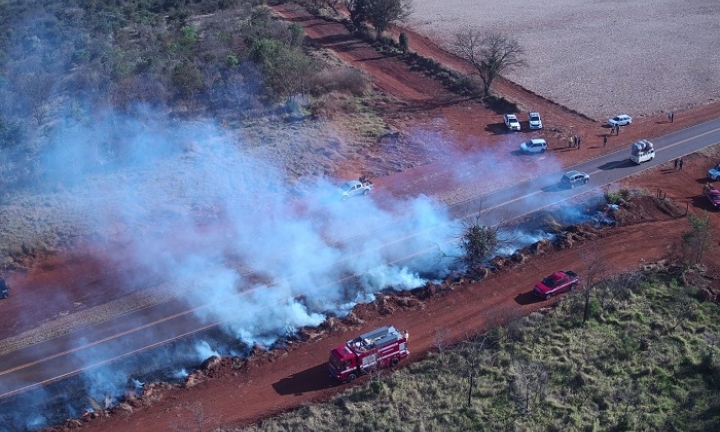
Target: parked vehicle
714,173
556,283
620,120
712,194
534,120
356,187
511,122
574,178
642,151
4,289
381,348
534,146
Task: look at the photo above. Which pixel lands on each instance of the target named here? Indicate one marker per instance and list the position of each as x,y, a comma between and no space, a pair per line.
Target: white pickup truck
512,122
356,187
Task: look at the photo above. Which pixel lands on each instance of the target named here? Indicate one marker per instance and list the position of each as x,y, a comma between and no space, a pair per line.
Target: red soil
274,382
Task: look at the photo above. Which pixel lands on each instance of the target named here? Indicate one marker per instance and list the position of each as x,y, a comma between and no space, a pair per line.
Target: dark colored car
4,289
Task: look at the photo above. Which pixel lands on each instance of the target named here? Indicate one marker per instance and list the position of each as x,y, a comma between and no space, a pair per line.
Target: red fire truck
380,348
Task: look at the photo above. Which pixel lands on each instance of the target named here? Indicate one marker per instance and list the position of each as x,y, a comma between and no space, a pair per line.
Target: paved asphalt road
67,355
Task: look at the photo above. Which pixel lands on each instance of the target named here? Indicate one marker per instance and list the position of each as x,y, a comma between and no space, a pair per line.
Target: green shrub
188,80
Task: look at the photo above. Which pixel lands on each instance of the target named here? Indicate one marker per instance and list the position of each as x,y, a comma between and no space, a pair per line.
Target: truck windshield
548,282
335,362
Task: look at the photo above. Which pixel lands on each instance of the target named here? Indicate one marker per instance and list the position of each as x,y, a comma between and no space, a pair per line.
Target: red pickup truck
558,282
712,194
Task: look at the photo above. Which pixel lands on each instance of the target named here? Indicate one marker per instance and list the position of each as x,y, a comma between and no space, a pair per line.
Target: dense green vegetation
64,62
647,359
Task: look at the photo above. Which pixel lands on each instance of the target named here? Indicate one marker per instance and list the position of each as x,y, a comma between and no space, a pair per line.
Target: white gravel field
601,57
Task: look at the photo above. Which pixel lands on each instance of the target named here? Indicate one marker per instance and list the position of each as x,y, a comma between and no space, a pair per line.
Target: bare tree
193,418
380,13
441,339
696,240
595,270
475,354
528,381
490,54
627,396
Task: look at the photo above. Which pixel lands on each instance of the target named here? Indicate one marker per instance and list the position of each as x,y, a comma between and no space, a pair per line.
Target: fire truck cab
377,349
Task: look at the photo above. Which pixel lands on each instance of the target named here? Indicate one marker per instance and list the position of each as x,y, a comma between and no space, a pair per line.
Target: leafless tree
441,339
37,87
528,382
490,54
684,309
475,354
193,418
696,240
628,396
596,269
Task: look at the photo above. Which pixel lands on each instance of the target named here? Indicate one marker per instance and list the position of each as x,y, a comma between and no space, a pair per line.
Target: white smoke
204,351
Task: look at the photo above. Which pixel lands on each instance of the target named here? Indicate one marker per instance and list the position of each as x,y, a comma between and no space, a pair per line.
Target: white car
534,120
511,122
534,146
620,120
574,178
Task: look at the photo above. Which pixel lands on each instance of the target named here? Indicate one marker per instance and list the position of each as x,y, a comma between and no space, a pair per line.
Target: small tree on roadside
696,240
596,270
380,13
477,242
490,54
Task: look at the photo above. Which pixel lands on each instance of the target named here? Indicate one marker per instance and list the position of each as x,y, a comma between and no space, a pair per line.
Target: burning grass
638,364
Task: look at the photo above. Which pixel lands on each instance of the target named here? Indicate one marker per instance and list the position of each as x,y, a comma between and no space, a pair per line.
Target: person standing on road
676,164
578,142
672,116
604,140
617,130
681,163
570,141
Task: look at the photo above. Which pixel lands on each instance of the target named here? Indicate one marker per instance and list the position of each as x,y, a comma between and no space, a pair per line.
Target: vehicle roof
574,173
352,183
536,140
558,275
510,116
621,116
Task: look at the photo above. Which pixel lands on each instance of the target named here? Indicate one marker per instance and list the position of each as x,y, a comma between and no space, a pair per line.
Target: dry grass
636,365
599,58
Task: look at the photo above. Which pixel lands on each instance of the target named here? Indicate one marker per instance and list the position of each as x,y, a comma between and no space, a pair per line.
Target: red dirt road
279,381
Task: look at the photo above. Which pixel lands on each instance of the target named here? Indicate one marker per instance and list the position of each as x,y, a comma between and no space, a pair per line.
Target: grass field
599,58
647,359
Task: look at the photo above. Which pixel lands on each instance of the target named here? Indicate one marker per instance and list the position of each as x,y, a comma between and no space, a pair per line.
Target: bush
343,79
404,42
188,80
